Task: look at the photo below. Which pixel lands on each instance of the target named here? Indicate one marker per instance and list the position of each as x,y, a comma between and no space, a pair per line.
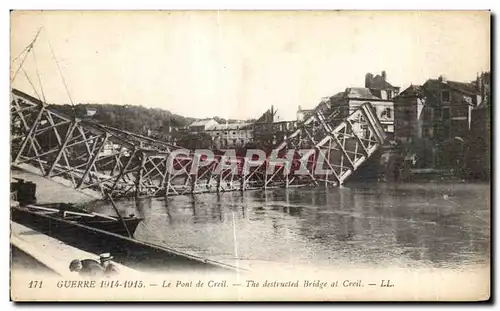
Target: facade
201,125
90,112
412,118
349,101
269,134
169,134
478,149
451,103
377,91
230,135
434,119
439,110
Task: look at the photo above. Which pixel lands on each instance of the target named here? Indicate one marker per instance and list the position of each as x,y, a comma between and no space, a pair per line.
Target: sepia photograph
230,155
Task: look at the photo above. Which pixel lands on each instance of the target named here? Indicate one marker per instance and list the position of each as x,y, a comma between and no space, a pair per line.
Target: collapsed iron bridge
100,160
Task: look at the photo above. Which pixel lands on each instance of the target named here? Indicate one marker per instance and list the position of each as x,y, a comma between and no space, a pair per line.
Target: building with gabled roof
199,126
438,114
352,98
379,86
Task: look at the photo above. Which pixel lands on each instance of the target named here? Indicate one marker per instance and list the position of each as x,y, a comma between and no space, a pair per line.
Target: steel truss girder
108,160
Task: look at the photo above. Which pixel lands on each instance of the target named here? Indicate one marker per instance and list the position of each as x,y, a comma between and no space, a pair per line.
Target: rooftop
412,91
359,93
202,122
379,83
463,87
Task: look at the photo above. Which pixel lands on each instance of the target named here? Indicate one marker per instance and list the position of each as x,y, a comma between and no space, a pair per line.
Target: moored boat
71,213
25,210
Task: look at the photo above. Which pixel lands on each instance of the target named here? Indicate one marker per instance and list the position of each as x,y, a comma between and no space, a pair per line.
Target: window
446,130
389,94
225,133
445,96
461,111
341,111
234,133
407,115
386,113
437,113
446,113
428,132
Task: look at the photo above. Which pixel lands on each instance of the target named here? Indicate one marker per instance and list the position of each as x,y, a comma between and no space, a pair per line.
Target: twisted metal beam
87,156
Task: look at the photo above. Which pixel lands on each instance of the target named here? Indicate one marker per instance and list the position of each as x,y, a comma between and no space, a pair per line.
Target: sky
236,64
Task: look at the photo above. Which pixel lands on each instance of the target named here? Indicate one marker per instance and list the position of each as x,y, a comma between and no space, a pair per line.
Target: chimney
480,84
384,75
368,80
442,78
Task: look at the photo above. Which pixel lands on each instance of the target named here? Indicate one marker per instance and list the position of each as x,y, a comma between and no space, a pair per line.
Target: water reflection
366,224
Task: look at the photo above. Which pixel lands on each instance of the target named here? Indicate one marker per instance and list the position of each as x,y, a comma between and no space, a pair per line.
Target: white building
231,135
202,125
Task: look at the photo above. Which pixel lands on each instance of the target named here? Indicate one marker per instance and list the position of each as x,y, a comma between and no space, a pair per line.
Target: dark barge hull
110,225
114,227
133,253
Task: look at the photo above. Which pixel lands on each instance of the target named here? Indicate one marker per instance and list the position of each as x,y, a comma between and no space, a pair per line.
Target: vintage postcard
250,155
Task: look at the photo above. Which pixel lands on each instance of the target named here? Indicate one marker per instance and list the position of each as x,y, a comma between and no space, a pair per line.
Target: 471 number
35,284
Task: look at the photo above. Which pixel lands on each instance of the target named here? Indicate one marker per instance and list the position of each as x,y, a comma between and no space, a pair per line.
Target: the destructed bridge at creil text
100,160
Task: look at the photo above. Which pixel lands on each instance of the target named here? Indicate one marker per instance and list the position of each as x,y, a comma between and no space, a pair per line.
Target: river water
428,225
